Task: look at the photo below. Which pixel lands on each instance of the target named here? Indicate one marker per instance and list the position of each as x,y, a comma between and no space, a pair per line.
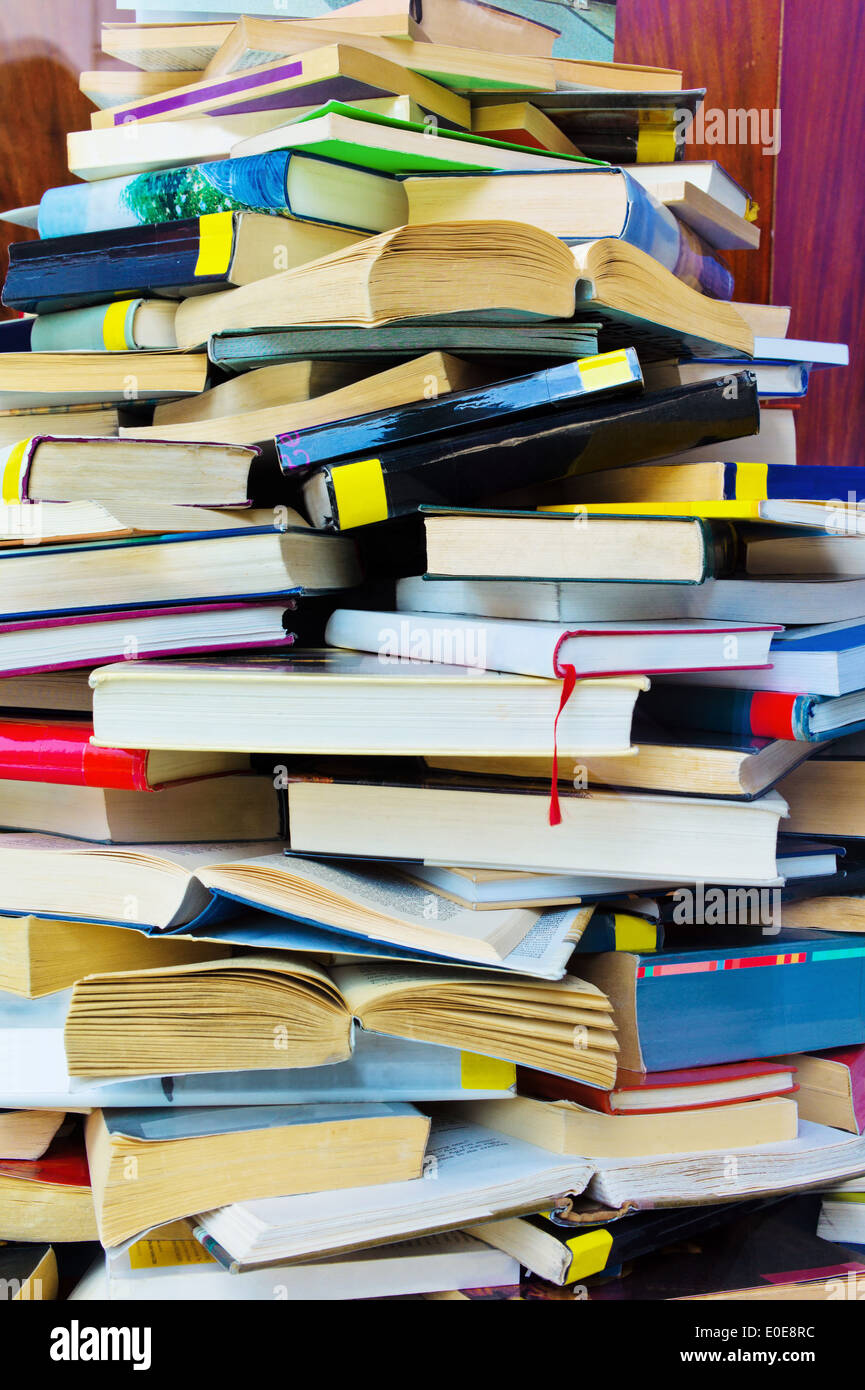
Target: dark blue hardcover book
556,388
15,335
172,259
748,993
496,458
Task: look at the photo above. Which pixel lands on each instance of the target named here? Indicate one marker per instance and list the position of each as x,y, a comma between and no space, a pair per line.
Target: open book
278,1011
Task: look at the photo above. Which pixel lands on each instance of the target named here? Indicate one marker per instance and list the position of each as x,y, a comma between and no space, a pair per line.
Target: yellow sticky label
485,1073
751,481
634,933
114,326
360,495
607,369
159,1253
752,212
14,468
215,243
589,1254
656,146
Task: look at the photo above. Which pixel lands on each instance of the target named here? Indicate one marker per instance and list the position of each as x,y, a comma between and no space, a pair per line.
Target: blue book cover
744,994
255,183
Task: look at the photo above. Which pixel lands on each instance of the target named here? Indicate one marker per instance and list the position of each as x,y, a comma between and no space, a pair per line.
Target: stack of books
403,683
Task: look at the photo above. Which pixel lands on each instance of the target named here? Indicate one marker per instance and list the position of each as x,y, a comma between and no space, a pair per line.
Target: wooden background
806,57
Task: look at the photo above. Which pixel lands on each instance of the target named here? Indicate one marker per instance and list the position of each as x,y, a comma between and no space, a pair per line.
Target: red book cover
59,750
548,1087
65,1164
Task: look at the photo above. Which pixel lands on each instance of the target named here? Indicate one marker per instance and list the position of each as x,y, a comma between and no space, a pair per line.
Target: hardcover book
188,257
498,458
793,991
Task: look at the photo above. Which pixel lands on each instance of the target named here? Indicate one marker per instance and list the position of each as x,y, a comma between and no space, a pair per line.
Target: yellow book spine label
159,1253
360,493
655,146
215,243
114,325
589,1254
485,1073
15,463
605,370
634,933
751,482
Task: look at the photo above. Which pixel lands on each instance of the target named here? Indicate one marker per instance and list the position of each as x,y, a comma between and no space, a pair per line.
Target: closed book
795,601
486,824
762,713
244,351
372,139
691,763
127,325
793,991
832,1087
742,482
28,1271
288,184
194,1157
825,659
191,256
321,74
525,547
410,708
567,1127
656,1093
28,1133
544,649
45,468
825,793
579,205
622,127
28,383
256,42
54,751
101,576
499,458
551,389
39,675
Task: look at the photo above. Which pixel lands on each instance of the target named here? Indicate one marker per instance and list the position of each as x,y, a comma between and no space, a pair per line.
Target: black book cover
95,267
499,458
549,391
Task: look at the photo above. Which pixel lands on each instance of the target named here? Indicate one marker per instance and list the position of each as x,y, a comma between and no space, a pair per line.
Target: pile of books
403,684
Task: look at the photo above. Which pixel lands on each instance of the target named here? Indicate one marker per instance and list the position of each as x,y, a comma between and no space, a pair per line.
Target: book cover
258,183
751,994
501,458
766,714
60,751
549,390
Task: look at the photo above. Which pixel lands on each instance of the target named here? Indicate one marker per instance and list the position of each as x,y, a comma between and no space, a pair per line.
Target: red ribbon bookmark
569,680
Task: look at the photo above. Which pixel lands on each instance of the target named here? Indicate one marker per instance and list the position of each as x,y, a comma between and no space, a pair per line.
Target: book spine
748,713
652,228
98,328
170,258
62,754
